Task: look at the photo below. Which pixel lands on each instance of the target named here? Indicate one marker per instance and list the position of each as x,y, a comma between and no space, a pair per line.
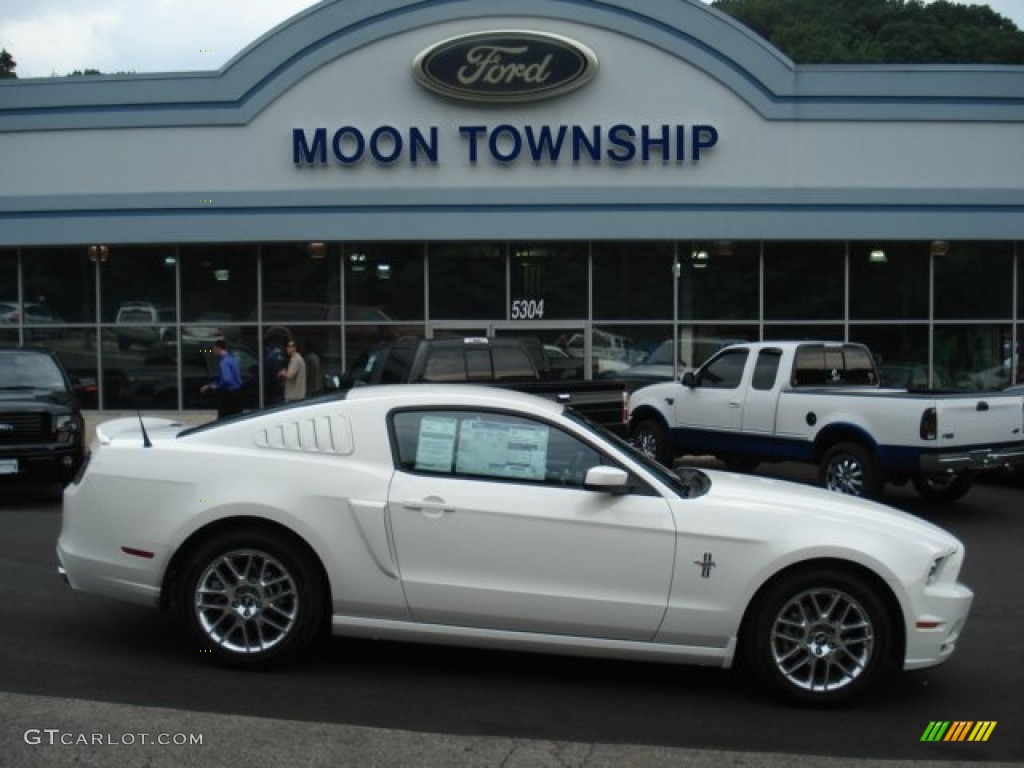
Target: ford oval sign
505,66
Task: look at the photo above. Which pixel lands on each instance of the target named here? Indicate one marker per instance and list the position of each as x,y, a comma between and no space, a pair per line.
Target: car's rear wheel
251,599
944,486
851,468
818,637
651,437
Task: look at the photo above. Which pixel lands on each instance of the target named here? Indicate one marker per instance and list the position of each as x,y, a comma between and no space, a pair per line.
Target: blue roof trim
591,214
707,39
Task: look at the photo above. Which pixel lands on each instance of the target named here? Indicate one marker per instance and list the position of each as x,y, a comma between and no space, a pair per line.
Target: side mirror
607,480
689,380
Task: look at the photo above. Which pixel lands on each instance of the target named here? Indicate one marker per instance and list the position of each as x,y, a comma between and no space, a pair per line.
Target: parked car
484,517
40,319
143,323
41,427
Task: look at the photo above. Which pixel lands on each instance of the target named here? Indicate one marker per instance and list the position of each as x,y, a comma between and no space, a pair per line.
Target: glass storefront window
1015,356
76,348
301,282
467,281
803,331
973,281
804,281
139,285
719,280
10,314
548,281
901,354
383,282
60,285
632,281
974,355
889,281
218,286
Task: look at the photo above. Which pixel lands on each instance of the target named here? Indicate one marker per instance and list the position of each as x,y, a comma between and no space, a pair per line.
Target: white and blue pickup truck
820,403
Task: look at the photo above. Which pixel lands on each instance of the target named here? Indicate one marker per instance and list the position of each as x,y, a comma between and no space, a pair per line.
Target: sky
48,37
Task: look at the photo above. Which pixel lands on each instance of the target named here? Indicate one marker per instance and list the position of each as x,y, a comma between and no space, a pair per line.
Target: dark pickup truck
42,435
512,363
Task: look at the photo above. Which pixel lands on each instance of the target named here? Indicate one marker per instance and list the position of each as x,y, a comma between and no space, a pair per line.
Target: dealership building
605,175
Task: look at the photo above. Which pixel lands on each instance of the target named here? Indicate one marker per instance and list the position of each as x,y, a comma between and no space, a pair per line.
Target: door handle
430,507
734,404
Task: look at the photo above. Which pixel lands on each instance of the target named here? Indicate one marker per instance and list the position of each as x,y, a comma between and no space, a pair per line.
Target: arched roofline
711,41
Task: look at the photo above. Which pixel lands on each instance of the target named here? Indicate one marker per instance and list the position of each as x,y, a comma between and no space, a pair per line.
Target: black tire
851,468
651,438
944,486
251,599
819,637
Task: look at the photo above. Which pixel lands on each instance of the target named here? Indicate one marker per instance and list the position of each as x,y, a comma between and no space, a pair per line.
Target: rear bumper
978,459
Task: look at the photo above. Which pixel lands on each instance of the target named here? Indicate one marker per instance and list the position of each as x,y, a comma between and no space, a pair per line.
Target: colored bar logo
959,730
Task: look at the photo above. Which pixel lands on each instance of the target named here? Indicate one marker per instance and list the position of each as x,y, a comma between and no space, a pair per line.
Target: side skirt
474,637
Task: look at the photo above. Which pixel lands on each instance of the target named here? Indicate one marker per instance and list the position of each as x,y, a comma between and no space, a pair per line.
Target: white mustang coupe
483,517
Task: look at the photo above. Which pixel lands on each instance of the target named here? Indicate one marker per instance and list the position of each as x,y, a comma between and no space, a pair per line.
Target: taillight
929,424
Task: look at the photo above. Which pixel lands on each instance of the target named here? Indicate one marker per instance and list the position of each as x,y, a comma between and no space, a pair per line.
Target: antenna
145,437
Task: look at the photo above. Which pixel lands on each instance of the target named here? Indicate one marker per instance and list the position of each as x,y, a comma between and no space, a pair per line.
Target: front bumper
59,462
933,634
979,459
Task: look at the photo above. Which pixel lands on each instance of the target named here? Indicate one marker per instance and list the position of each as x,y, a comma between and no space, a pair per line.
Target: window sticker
436,445
500,449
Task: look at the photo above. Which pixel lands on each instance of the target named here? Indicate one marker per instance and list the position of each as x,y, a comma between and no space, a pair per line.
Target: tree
7,65
881,31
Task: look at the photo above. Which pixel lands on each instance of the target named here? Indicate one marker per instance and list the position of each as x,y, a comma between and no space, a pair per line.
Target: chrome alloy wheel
822,640
246,601
846,475
647,443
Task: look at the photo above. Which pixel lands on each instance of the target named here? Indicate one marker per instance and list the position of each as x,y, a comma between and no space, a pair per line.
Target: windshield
24,370
686,482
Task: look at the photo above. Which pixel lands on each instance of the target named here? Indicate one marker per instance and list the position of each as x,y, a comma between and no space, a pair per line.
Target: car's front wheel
251,599
818,637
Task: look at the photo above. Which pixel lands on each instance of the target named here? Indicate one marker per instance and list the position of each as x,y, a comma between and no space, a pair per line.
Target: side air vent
321,434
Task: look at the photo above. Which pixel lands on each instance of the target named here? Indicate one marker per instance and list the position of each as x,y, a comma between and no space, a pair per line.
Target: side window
809,368
512,363
478,365
490,446
445,365
820,366
397,365
860,368
725,371
766,370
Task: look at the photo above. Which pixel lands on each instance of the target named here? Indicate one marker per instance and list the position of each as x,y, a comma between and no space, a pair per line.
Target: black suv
42,434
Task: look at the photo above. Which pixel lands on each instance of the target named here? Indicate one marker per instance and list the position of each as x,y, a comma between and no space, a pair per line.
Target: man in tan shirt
294,376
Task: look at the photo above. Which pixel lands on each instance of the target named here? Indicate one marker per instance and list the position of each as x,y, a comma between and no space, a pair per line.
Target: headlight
66,426
937,565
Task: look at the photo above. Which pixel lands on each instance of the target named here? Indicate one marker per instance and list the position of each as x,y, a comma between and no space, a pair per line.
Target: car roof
454,395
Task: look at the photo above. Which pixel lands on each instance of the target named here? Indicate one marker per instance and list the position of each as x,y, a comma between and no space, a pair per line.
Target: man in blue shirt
228,384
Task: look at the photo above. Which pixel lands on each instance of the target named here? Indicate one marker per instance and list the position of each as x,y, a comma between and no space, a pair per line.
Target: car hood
29,398
788,503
